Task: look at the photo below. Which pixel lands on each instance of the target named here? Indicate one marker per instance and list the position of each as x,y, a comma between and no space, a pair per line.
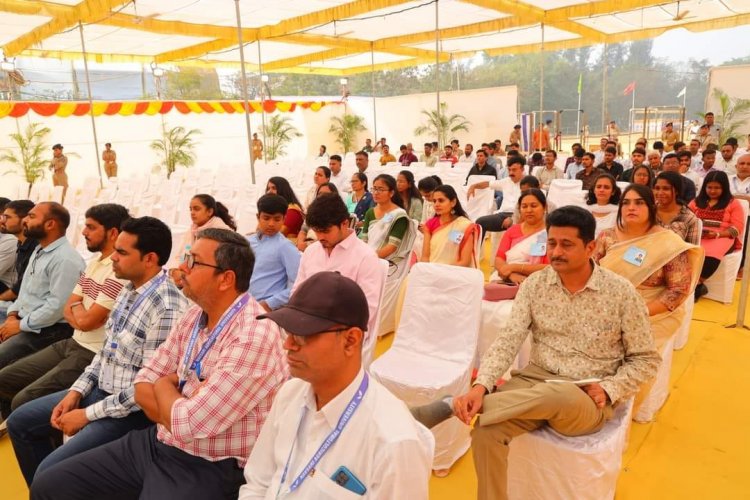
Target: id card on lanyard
328,442
119,318
195,365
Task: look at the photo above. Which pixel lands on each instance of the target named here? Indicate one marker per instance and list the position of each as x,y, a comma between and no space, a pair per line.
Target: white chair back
564,192
483,201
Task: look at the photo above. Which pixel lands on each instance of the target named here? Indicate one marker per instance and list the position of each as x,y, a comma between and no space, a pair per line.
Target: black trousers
25,343
138,466
493,222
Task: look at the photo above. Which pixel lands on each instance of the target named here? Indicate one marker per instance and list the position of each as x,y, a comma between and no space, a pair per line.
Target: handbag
499,290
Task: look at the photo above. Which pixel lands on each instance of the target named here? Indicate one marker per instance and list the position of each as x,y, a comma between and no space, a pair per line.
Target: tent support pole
437,69
262,99
91,106
374,103
244,90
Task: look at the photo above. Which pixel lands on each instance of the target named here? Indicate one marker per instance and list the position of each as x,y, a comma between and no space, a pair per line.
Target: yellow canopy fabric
340,37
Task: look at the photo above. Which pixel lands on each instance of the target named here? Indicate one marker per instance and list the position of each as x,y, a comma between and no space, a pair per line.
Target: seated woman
602,201
643,175
449,237
294,215
205,213
388,229
426,187
360,199
661,265
723,223
523,249
671,212
410,197
307,236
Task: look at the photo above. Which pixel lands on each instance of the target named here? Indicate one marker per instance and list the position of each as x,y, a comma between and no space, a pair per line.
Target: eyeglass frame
379,189
301,340
189,260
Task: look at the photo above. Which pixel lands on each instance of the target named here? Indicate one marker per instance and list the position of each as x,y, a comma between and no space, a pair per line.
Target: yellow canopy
339,37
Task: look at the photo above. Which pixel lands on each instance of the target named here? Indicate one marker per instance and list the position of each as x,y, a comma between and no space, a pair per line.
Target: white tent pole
91,105
244,90
541,91
604,91
262,99
437,65
374,104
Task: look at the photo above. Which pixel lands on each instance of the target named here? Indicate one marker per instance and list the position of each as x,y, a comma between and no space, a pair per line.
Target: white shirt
599,158
342,181
466,159
730,167
738,186
382,446
511,191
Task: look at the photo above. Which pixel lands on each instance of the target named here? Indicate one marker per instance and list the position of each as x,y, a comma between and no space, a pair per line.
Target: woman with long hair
671,211
449,236
295,216
426,187
643,175
359,200
602,201
723,223
410,197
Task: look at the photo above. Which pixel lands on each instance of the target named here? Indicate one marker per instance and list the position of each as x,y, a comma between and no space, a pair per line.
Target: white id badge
107,376
635,256
456,236
538,249
387,217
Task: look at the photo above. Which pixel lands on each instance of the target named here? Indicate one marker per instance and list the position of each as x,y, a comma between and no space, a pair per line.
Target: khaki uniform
110,163
58,165
257,149
669,138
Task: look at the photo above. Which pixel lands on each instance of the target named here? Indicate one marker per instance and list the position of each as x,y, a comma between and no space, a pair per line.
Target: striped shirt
143,331
221,416
97,285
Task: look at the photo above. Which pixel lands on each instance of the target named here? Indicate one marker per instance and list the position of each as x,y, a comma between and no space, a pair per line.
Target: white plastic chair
721,284
545,465
483,201
368,346
659,390
565,192
434,347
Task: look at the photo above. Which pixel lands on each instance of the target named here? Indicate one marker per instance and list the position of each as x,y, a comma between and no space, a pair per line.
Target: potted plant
176,148
439,124
732,114
30,159
346,128
278,133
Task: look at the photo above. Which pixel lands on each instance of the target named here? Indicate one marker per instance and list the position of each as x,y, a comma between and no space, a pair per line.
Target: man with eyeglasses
11,224
332,418
100,406
35,320
339,249
208,387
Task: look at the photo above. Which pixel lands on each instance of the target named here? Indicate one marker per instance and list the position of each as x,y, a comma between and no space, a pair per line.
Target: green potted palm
346,128
31,158
278,133
176,148
439,123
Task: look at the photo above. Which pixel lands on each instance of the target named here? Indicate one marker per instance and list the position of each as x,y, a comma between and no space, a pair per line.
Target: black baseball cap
320,303
57,146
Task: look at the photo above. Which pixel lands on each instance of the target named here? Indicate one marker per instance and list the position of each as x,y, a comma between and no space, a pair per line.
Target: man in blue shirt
35,320
276,258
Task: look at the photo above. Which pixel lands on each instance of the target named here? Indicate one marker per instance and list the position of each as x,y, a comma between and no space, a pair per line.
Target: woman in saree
449,237
294,215
410,197
602,201
389,231
360,199
523,249
723,224
671,212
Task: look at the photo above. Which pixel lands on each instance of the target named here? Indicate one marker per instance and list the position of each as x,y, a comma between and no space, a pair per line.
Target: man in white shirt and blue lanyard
332,427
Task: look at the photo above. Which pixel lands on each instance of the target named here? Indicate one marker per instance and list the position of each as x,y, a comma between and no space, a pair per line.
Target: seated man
382,451
57,366
637,157
448,155
339,249
609,165
739,183
276,258
11,223
209,387
100,406
7,253
672,164
385,157
510,187
549,172
429,157
35,320
608,340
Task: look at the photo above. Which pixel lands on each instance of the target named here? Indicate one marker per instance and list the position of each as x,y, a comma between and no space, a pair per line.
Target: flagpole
632,107
578,112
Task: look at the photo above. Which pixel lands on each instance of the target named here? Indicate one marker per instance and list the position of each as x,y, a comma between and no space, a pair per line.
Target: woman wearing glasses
388,230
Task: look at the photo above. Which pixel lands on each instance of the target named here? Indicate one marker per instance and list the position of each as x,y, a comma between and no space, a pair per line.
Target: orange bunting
127,108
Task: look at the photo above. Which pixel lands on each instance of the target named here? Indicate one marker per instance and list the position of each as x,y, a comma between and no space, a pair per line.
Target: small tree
278,133
346,128
731,114
439,124
30,159
176,148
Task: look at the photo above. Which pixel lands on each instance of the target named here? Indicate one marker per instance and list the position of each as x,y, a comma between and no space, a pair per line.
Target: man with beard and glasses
11,224
581,364
57,366
35,320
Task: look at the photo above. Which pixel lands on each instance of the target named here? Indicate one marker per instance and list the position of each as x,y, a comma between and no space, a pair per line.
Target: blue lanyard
330,440
118,321
218,329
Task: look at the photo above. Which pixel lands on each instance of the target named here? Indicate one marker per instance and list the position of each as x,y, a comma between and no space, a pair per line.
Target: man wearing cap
669,137
332,427
57,165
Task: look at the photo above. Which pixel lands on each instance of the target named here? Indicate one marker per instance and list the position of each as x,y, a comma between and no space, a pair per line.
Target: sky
717,46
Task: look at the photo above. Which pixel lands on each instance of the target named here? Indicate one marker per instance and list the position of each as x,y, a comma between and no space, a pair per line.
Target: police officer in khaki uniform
110,161
57,165
669,137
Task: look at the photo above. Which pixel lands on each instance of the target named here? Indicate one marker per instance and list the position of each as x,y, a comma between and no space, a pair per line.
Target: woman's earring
453,211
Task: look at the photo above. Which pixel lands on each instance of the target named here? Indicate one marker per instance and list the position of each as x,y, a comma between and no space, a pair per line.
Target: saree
448,240
378,235
521,252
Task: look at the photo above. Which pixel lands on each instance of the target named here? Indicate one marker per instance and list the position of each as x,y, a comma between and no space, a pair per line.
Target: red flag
629,89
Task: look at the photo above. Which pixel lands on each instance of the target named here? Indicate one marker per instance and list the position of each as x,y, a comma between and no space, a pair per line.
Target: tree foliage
731,115
346,128
32,149
176,148
439,124
277,134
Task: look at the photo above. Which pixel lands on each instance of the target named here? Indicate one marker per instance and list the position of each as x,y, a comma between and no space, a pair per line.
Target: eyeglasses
301,340
190,262
379,190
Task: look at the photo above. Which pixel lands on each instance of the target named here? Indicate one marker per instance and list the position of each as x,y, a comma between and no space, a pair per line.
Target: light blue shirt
49,280
276,265
573,169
